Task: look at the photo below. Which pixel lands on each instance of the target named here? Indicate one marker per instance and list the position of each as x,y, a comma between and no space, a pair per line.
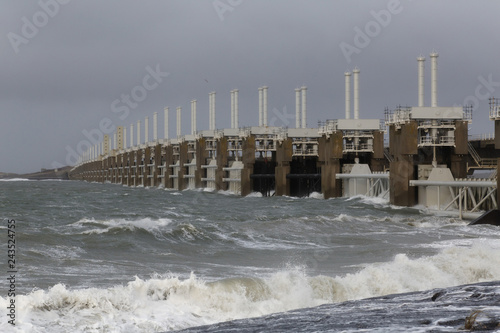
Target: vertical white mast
155,127
421,60
297,108
179,121
356,92
347,95
165,123
304,106
434,101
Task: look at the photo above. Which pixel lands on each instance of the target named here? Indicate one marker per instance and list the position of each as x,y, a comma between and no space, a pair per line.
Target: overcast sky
66,65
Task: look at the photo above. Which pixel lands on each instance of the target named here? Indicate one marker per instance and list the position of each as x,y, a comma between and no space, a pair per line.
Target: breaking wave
165,303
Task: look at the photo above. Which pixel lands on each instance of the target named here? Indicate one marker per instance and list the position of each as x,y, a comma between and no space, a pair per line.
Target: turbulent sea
109,258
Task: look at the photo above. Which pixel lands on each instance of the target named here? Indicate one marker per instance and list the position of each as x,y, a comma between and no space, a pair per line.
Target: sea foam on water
165,303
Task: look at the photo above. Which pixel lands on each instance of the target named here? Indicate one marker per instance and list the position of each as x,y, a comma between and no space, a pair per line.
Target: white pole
146,130
178,121
356,92
434,57
124,137
297,108
347,95
155,127
421,60
260,107
304,108
131,135
213,111
138,132
165,123
193,115
236,110
264,111
232,108
210,111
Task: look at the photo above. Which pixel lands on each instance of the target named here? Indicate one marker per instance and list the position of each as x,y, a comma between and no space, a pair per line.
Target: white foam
227,193
316,195
343,218
148,224
255,195
15,180
452,266
166,303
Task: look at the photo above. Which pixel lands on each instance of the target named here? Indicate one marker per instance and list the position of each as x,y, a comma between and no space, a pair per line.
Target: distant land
61,173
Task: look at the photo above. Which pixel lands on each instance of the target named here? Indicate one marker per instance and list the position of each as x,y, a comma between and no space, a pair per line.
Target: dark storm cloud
64,78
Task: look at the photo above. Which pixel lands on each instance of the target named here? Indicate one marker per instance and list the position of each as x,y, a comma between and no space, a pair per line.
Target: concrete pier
330,154
403,147
341,157
283,159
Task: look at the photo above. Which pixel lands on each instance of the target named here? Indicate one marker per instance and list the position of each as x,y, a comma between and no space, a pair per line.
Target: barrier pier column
147,160
221,163
157,162
377,160
284,151
169,160
403,146
330,152
183,156
497,146
460,154
201,159
248,159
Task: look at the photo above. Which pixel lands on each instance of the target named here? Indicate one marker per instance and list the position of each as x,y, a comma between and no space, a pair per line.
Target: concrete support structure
248,159
157,164
378,161
183,159
168,159
403,146
460,153
146,171
222,159
330,154
284,151
201,159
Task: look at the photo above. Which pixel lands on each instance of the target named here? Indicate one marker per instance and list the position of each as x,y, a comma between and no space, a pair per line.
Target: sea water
109,258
